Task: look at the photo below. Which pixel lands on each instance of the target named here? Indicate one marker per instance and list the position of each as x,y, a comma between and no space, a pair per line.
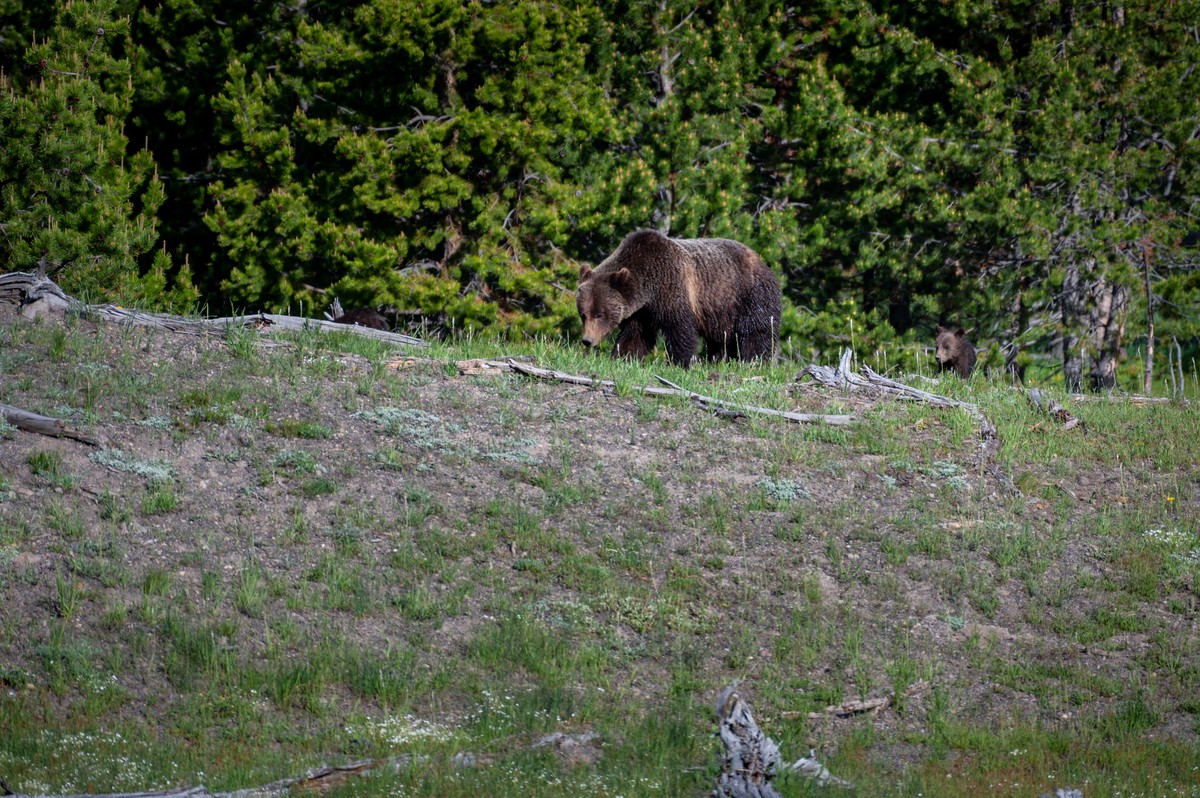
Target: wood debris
847,379
707,402
44,425
851,708
1043,401
32,289
752,760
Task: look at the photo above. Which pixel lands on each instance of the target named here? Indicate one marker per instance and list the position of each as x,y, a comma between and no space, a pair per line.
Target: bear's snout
594,331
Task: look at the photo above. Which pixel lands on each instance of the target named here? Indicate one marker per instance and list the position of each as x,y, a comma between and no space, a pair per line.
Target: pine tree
68,192
414,155
1106,124
180,53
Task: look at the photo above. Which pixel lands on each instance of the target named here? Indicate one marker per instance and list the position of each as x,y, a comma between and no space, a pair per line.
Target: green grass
337,560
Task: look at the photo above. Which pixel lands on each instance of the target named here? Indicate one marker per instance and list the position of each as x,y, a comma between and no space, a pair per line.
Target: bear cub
684,290
364,317
954,352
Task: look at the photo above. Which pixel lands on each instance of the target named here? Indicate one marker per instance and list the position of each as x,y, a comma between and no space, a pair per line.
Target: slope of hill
323,551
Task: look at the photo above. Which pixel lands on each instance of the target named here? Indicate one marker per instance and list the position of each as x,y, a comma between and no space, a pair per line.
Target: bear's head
949,344
603,299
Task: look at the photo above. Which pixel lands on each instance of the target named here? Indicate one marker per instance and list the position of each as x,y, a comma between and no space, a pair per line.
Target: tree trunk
1011,345
1106,331
1070,310
1148,376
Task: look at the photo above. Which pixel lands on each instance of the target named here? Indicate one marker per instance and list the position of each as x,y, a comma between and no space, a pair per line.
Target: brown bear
954,352
364,317
684,289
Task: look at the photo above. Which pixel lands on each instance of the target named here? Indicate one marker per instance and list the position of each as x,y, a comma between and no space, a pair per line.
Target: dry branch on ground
1043,401
707,402
845,378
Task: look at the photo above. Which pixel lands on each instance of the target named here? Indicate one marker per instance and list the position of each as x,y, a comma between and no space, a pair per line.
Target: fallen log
37,294
44,425
709,403
262,321
319,779
37,291
844,377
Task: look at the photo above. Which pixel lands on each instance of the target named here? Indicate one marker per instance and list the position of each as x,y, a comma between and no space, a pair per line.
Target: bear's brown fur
364,317
954,352
685,290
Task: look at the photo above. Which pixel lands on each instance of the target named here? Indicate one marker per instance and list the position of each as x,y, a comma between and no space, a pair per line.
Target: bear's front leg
636,338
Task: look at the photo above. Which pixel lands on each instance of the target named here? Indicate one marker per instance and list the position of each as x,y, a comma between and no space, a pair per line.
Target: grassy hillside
314,552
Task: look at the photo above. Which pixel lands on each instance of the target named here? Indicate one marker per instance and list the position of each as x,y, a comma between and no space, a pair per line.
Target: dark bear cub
364,317
954,352
685,290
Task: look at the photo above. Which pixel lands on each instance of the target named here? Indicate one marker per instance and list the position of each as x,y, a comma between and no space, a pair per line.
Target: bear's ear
940,329
621,279
960,333
585,272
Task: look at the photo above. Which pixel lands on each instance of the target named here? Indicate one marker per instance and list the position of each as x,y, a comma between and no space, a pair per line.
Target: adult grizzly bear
954,352
684,289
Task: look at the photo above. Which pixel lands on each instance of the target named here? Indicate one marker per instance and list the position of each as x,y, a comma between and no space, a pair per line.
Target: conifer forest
1026,170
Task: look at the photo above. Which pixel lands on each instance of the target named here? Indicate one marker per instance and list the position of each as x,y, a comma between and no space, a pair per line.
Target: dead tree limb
722,407
1044,402
851,708
182,792
44,425
751,759
260,321
319,780
845,378
718,405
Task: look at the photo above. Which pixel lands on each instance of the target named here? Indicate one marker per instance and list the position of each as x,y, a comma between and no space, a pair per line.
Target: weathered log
37,294
182,792
844,377
318,779
44,425
32,288
718,405
1043,401
256,320
752,759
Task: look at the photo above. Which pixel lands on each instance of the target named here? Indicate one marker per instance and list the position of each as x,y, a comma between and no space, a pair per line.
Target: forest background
1027,170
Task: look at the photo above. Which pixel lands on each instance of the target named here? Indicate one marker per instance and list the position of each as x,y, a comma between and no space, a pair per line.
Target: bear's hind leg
681,339
758,327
